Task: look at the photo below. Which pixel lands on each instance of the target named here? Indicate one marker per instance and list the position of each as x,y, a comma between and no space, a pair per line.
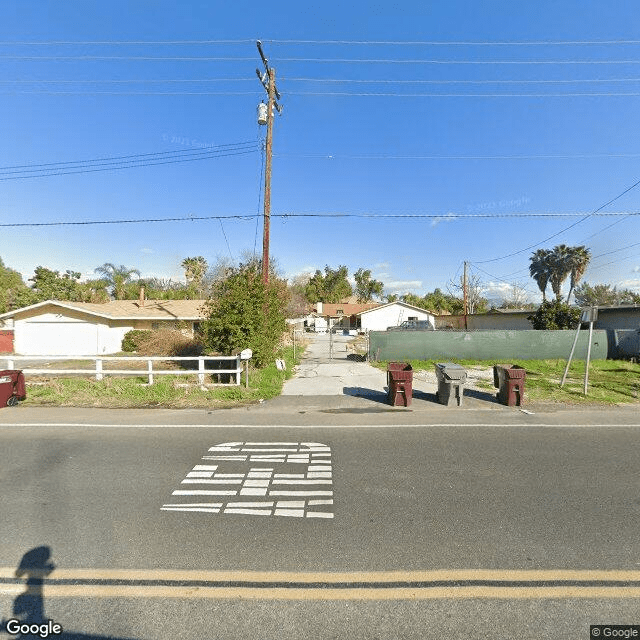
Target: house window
412,317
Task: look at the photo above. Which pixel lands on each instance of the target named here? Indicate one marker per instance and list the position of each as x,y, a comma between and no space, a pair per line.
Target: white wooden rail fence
149,371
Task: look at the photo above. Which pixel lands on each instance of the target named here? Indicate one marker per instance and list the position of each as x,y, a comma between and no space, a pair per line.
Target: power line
458,43
317,60
126,81
524,287
146,58
462,95
225,238
327,93
322,42
131,93
22,81
210,149
132,221
574,156
597,211
122,165
118,42
381,216
449,62
316,80
420,81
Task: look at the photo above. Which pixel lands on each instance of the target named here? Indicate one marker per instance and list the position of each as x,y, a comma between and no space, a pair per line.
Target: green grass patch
611,382
167,391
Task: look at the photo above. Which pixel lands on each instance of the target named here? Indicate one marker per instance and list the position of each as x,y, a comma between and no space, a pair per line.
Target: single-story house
55,327
392,314
343,314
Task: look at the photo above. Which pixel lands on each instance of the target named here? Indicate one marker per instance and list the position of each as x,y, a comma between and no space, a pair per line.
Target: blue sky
446,131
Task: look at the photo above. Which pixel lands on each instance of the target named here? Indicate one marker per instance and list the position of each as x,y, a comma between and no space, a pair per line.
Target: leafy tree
366,288
438,301
330,286
246,313
194,272
159,289
92,291
117,278
555,315
605,295
391,297
50,285
14,293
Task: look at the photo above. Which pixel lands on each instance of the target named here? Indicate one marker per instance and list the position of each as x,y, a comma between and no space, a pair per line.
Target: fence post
99,369
238,370
150,370
200,369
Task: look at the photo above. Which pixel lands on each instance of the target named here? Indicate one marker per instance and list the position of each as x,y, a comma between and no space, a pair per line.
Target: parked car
413,325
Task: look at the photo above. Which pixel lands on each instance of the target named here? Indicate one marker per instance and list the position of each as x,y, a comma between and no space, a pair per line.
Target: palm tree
194,270
578,261
117,278
540,270
559,268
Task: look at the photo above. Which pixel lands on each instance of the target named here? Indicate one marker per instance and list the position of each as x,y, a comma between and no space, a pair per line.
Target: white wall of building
391,316
67,333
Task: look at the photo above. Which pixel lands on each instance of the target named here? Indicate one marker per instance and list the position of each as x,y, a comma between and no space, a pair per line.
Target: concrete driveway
331,370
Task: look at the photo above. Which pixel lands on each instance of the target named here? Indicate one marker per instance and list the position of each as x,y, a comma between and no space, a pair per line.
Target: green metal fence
499,346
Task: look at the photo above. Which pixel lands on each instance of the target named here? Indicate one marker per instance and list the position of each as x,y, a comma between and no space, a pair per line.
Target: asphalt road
444,523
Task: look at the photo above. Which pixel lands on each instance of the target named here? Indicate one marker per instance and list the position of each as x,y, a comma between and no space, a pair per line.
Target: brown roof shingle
161,309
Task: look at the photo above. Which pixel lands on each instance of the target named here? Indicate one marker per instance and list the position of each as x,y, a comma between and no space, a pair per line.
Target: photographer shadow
28,607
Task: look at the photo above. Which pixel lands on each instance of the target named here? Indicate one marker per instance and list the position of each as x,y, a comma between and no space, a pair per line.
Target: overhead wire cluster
602,55
132,161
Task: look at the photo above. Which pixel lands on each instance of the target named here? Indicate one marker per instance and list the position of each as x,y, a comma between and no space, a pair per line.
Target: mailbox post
245,356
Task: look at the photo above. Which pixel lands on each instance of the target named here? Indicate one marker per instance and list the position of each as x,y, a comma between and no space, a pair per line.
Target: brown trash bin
12,387
400,383
510,380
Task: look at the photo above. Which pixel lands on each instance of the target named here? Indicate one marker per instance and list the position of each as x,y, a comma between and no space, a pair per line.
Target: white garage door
56,338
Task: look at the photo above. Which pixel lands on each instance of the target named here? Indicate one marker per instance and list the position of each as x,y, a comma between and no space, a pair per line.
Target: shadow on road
381,397
28,618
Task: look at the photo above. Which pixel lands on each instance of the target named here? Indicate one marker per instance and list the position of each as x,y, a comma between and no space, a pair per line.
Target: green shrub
555,315
132,339
246,313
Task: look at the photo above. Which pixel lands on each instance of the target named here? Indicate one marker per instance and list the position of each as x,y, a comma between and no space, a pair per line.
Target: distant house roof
397,302
127,309
346,308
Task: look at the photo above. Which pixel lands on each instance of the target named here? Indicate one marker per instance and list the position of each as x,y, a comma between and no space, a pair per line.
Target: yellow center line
369,585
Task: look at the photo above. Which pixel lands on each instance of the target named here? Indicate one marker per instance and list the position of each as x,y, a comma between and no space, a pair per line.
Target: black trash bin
400,383
451,379
12,387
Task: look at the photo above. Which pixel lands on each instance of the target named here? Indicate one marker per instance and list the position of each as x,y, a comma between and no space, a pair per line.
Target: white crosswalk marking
257,472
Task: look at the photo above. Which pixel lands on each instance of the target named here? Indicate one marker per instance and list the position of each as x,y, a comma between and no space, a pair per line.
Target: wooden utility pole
464,295
268,81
